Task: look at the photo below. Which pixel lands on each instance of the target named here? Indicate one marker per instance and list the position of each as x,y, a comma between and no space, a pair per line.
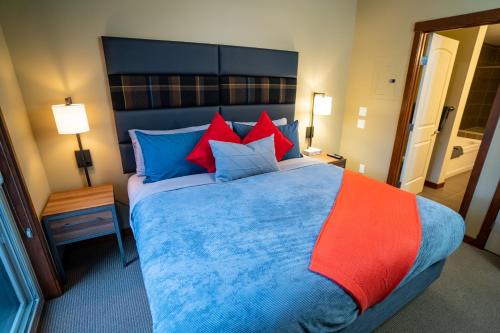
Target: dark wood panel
25,217
460,21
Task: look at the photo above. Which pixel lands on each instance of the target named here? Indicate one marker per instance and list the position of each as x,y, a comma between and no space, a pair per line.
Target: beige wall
57,53
18,125
382,46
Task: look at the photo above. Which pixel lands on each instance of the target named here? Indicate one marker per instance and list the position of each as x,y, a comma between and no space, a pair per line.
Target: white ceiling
493,34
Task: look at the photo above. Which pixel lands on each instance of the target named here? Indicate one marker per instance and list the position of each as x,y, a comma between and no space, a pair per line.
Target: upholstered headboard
166,85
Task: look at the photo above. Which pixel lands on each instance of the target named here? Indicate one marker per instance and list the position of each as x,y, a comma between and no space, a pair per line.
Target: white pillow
139,159
277,122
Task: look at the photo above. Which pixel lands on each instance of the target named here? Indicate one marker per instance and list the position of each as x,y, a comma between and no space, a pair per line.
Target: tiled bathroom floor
451,193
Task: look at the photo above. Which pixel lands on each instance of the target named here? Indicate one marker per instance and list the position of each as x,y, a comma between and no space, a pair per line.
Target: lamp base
83,158
312,151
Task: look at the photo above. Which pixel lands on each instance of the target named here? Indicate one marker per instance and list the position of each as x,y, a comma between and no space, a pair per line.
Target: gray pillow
234,161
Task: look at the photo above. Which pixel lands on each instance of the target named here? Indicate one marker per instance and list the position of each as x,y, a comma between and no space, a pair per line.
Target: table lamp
72,119
322,106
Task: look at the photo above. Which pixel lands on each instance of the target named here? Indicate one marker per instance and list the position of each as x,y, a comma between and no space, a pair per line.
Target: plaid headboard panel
161,85
241,90
135,92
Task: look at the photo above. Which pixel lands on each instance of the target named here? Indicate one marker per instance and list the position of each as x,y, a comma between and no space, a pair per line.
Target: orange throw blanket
370,240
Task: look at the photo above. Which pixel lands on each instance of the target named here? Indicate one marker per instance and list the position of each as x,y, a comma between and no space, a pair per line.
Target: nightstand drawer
70,229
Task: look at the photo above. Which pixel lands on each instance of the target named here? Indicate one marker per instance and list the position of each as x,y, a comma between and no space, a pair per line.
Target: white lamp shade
70,119
322,105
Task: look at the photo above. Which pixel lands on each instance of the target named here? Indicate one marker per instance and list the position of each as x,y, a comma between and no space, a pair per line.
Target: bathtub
466,161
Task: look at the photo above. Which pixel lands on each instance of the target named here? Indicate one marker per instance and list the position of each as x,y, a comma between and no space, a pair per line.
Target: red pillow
264,128
202,153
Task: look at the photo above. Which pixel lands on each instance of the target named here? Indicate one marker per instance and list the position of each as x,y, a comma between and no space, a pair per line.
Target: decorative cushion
164,155
202,153
291,131
234,161
265,128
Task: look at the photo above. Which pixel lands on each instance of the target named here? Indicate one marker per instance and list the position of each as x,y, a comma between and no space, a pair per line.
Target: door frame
26,218
421,33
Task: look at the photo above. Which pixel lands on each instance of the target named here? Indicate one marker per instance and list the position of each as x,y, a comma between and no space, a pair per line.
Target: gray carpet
466,298
102,296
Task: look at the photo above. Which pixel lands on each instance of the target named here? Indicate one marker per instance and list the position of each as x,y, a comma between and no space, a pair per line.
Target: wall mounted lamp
322,106
72,119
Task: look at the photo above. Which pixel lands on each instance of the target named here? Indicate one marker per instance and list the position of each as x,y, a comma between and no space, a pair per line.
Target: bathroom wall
483,89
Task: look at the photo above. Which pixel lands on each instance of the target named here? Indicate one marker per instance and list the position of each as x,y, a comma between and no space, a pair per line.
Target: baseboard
433,185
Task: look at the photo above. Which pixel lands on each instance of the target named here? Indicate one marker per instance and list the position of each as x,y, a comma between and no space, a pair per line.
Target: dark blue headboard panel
252,112
147,56
162,75
250,61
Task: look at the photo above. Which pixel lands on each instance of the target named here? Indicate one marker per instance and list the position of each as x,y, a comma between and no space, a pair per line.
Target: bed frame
166,85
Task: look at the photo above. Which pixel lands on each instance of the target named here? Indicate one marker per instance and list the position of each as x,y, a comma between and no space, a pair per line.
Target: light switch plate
361,168
361,123
363,111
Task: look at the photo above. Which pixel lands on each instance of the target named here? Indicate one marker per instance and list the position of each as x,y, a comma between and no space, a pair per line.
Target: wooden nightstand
330,160
78,215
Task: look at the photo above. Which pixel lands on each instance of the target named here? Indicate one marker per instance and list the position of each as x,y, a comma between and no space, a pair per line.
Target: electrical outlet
363,111
361,168
361,123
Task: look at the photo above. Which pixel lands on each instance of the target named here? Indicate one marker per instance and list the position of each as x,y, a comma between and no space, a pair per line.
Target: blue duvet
234,257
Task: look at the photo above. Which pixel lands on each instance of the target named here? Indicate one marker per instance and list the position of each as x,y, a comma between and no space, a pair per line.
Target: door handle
435,132
444,116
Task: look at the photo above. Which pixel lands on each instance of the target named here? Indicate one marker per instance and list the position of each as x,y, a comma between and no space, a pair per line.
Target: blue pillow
291,131
234,160
165,155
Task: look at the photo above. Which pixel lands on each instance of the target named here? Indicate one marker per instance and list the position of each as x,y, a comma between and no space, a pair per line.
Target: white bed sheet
137,190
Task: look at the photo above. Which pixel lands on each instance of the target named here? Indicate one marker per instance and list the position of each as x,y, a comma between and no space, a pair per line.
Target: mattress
234,256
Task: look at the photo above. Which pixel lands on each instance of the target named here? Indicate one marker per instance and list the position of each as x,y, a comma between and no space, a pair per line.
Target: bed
234,256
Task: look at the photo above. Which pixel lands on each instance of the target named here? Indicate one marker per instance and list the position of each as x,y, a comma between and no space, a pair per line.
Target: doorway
462,113
417,135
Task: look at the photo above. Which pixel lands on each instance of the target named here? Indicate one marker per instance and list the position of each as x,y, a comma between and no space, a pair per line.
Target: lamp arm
84,162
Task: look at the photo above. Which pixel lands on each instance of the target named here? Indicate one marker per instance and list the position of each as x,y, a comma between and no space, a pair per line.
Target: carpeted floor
102,296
